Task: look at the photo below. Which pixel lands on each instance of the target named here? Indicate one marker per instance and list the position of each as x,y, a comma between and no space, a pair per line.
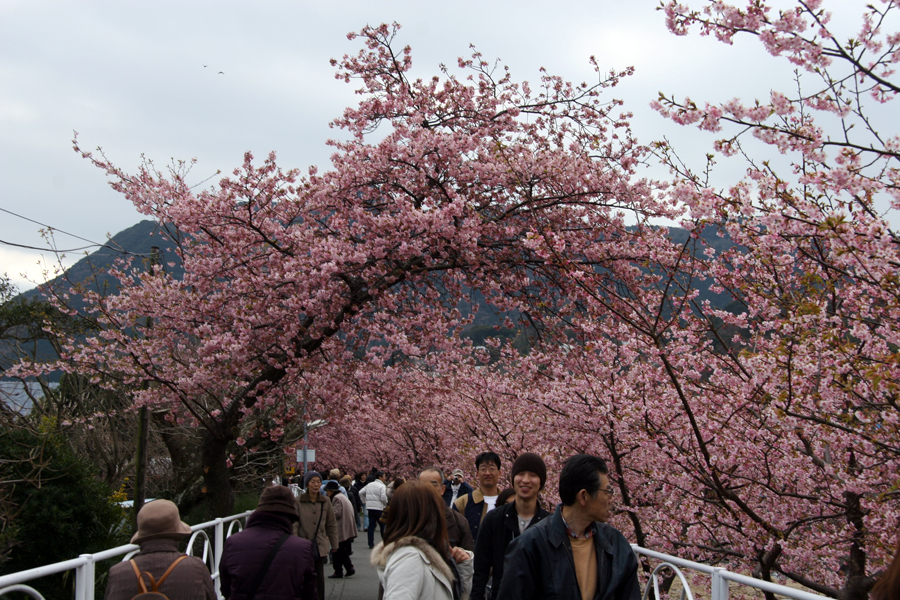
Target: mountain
134,243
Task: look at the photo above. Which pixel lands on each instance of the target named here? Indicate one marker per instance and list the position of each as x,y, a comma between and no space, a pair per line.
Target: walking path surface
363,585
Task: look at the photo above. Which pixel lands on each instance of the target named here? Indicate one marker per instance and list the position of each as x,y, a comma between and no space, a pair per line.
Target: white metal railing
211,554
720,578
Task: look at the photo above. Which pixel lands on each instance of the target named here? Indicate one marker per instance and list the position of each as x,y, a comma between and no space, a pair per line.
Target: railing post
217,553
84,578
719,589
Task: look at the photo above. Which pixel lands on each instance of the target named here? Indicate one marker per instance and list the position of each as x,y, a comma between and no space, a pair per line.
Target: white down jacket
374,495
411,568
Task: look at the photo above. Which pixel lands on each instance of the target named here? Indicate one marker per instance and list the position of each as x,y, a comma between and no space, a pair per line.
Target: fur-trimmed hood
381,554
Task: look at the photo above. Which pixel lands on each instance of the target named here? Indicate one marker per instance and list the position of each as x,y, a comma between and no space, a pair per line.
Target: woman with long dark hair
415,560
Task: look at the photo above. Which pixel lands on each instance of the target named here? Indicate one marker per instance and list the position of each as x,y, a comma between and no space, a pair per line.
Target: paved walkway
363,585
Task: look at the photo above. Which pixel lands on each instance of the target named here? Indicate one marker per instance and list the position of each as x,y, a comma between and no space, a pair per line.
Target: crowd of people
440,538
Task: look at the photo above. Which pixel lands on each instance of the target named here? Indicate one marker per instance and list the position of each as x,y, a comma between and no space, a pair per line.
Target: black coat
498,529
353,494
539,564
292,574
458,533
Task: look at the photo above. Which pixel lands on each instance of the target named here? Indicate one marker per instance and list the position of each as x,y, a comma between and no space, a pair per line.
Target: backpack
154,593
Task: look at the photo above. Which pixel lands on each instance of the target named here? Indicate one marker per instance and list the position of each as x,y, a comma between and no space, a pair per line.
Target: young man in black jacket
573,554
505,523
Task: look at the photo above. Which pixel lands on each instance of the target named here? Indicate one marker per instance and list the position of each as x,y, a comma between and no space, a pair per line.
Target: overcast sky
210,80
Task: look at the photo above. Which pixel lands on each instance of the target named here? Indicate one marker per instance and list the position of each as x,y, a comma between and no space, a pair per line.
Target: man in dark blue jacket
573,554
476,504
455,487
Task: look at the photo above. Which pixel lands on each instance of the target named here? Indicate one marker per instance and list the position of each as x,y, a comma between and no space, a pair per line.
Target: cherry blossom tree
806,375
441,186
764,436
761,437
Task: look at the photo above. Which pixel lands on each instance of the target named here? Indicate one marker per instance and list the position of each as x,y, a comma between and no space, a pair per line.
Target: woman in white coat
415,560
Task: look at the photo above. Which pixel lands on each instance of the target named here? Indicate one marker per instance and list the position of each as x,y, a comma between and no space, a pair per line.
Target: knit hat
332,486
278,499
334,474
309,475
159,519
529,461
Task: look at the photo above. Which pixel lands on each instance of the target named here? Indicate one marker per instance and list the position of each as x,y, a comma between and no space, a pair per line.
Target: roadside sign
310,455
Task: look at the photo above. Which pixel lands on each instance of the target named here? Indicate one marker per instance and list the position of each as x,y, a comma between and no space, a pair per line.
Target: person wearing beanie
501,526
308,476
159,528
292,572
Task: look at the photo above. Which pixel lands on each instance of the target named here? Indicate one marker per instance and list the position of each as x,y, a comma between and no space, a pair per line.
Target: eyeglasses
607,490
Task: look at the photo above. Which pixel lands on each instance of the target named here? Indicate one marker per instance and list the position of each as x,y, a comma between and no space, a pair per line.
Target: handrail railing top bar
767,586
66,565
113,552
760,584
681,562
212,523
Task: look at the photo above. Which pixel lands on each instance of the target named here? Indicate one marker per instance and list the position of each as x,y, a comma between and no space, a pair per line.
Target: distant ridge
133,243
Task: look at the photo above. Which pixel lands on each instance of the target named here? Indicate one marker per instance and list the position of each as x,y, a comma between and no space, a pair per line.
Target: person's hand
459,555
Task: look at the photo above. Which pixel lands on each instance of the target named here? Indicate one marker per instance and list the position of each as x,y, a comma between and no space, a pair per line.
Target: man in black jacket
504,523
573,554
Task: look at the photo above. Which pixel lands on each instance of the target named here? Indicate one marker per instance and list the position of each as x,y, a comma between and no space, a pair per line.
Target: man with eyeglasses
573,554
458,533
477,503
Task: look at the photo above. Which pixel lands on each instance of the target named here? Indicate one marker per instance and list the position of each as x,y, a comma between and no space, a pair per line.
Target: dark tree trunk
217,489
858,584
187,471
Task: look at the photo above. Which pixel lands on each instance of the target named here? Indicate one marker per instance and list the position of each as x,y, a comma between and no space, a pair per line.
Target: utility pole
305,440
143,430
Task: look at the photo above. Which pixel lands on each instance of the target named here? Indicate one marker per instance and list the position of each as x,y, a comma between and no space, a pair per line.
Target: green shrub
58,508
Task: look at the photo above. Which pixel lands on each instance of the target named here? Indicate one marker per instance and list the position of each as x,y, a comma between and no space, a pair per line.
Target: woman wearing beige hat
159,529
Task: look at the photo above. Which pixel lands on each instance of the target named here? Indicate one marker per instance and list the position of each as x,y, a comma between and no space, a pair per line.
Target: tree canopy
763,435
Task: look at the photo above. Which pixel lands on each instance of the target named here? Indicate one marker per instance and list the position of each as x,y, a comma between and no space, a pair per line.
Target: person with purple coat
292,570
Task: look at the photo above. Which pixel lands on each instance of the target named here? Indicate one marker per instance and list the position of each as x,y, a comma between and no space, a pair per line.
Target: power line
4,242
51,228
